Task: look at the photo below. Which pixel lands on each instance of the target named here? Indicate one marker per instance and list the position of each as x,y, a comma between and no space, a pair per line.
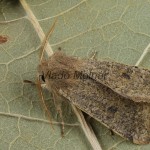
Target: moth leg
62,121
57,103
43,85
40,86
93,55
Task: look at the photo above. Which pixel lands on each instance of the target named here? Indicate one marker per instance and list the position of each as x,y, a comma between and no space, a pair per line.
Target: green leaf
117,30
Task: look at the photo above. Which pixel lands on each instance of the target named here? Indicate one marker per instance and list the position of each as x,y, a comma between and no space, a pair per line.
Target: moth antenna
93,55
38,84
43,102
44,43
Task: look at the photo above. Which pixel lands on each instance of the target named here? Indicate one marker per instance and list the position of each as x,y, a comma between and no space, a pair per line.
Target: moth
114,94
117,95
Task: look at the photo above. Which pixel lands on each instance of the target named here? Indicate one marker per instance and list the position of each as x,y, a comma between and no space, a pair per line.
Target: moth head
41,71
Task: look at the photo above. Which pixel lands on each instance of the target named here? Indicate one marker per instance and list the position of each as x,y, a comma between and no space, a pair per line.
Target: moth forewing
128,81
122,115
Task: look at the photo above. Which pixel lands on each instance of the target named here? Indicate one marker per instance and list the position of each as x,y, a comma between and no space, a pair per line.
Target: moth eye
42,77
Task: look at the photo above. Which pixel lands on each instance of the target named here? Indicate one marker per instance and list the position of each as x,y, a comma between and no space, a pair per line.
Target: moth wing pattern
119,113
129,81
127,118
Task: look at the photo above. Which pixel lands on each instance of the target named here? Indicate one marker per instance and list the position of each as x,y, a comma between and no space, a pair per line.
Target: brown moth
114,94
